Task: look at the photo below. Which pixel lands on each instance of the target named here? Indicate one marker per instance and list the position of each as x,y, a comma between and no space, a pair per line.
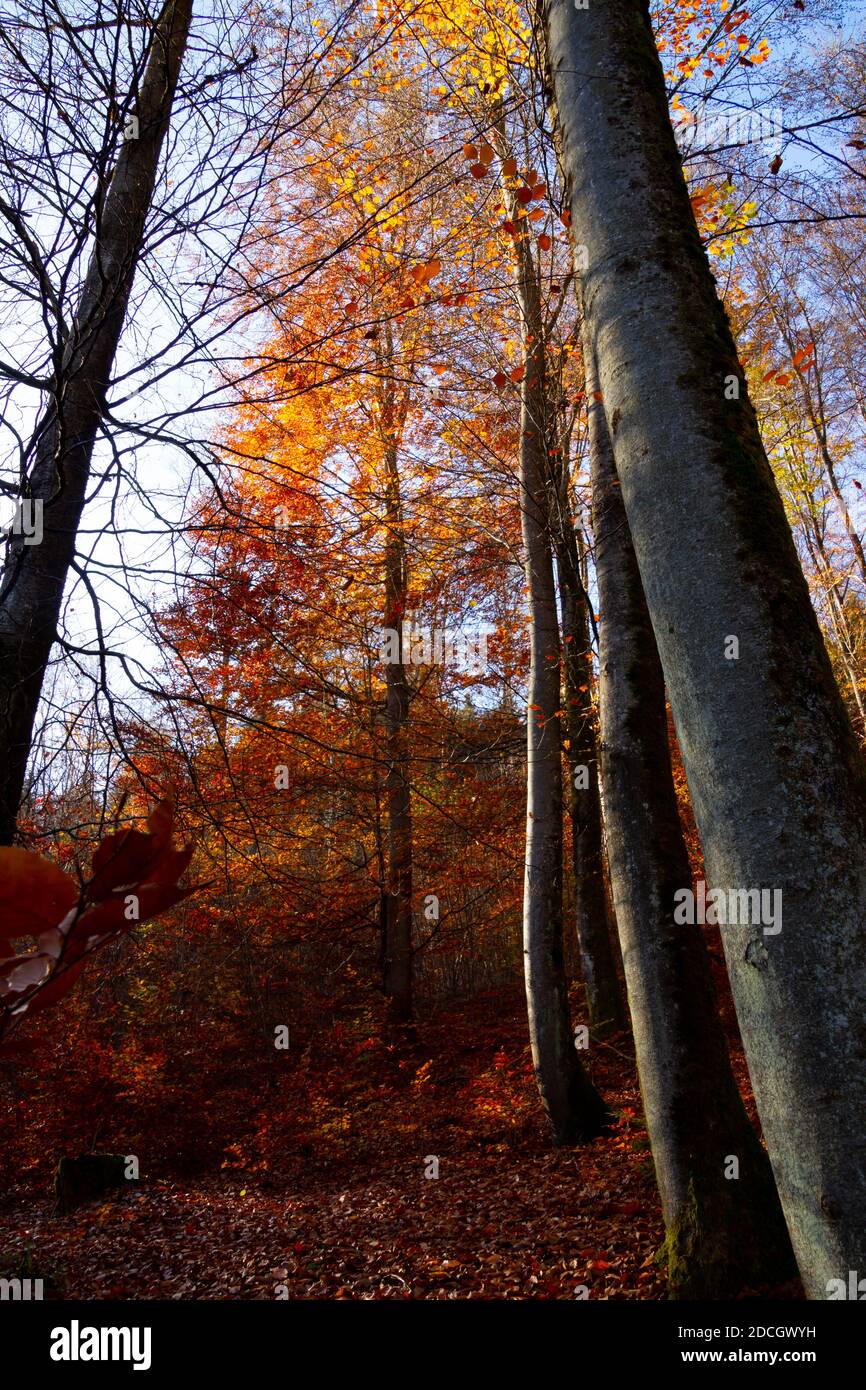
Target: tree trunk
775,773
34,576
397,963
574,1108
723,1220
604,999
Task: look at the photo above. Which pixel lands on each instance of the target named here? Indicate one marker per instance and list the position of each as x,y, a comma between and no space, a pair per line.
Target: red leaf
109,918
35,894
132,856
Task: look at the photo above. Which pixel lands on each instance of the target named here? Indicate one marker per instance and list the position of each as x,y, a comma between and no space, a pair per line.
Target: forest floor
506,1217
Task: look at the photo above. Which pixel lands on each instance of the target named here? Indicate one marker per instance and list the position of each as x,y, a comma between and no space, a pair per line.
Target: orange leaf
120,859
35,894
470,151
171,864
428,270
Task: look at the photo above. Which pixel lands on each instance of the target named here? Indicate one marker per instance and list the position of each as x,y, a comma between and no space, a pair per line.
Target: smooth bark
604,999
775,773
574,1108
723,1220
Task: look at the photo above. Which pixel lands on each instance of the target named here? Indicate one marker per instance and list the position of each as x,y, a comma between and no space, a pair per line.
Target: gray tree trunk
605,1003
723,1220
34,576
776,777
574,1108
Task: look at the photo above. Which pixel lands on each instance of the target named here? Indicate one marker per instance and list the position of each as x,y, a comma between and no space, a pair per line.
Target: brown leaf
35,894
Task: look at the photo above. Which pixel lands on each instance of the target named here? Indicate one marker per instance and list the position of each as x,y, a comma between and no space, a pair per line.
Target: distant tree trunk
604,999
573,1106
724,1225
397,962
776,776
814,402
831,582
34,576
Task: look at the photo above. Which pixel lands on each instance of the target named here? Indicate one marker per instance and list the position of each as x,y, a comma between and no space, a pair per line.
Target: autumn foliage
133,877
356,802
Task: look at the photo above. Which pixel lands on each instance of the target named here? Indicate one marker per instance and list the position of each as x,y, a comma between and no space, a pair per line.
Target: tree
723,1220
334,499
127,244
573,1106
397,946
774,770
34,576
595,928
